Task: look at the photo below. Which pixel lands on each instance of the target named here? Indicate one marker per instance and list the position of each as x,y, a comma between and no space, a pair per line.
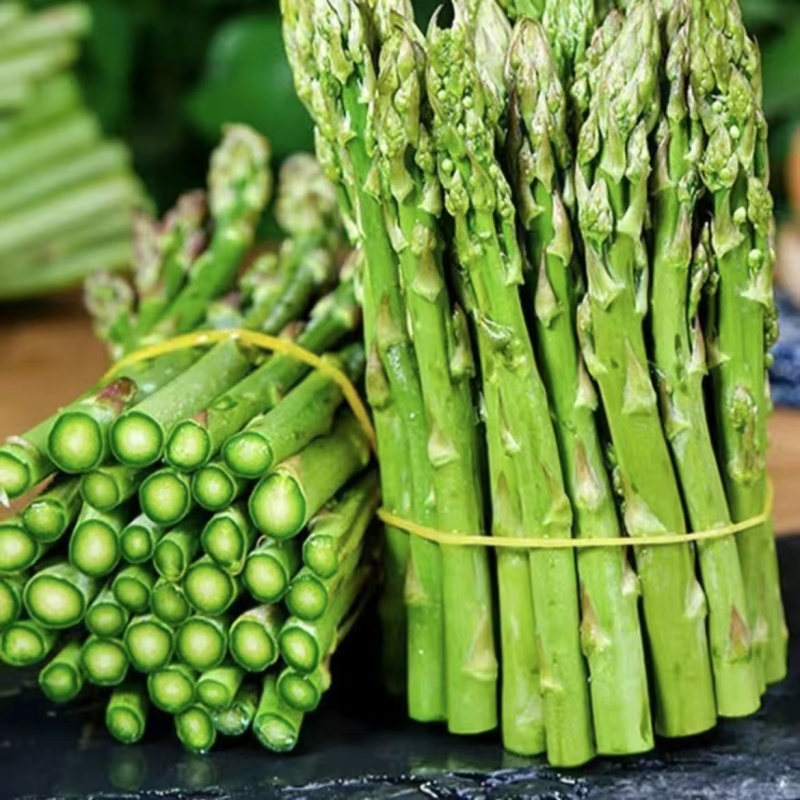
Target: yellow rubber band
263,341
461,540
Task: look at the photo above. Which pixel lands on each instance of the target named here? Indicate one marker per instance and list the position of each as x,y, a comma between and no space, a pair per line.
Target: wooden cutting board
48,356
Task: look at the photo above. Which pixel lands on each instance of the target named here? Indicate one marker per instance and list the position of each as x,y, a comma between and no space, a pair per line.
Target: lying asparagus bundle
604,178
201,546
67,194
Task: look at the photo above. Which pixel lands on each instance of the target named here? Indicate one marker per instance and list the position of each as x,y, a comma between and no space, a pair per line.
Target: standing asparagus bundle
734,167
541,166
329,49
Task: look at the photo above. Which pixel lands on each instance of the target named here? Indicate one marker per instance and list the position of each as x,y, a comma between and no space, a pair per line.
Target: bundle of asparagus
591,187
201,543
67,194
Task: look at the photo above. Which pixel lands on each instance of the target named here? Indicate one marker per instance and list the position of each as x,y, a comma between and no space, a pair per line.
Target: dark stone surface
359,747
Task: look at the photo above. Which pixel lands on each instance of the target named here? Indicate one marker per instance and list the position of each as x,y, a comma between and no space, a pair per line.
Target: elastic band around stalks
264,341
456,539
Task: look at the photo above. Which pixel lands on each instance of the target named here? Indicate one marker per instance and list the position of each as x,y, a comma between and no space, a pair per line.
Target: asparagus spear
126,713
304,414
11,605
58,596
238,717
94,546
133,586
169,603
254,637
215,487
104,661
18,550
175,551
195,729
217,688
328,48
303,691
109,486
524,461
270,567
171,688
541,165
106,617
149,643
613,168
681,366
25,643
202,642
276,724
734,167
285,500
166,496
228,537
139,538
339,529
61,680
48,517
209,589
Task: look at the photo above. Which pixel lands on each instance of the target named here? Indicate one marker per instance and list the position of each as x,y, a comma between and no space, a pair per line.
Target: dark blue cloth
785,372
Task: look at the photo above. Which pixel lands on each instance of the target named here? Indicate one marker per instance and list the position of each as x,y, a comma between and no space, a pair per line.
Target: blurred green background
166,74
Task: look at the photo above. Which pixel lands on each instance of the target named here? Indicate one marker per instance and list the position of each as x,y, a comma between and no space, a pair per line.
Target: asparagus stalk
328,51
209,589
228,537
171,688
303,691
48,517
149,643
175,551
139,538
133,586
269,569
285,500
59,595
276,724
254,637
339,529
106,617
109,486
94,547
126,713
168,602
215,486
104,661
541,168
62,680
195,729
238,717
195,441
166,496
11,604
734,167
681,366
202,642
517,411
304,414
18,550
613,169
25,643
217,688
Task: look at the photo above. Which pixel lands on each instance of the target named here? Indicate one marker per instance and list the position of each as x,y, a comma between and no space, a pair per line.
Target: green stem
269,569
175,551
94,546
62,680
149,643
59,595
18,550
215,486
106,617
276,724
25,643
48,517
171,689
209,589
104,661
133,586
108,487
254,637
195,729
228,538
166,496
217,688
303,691
139,538
126,713
168,602
11,604
238,717
202,642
